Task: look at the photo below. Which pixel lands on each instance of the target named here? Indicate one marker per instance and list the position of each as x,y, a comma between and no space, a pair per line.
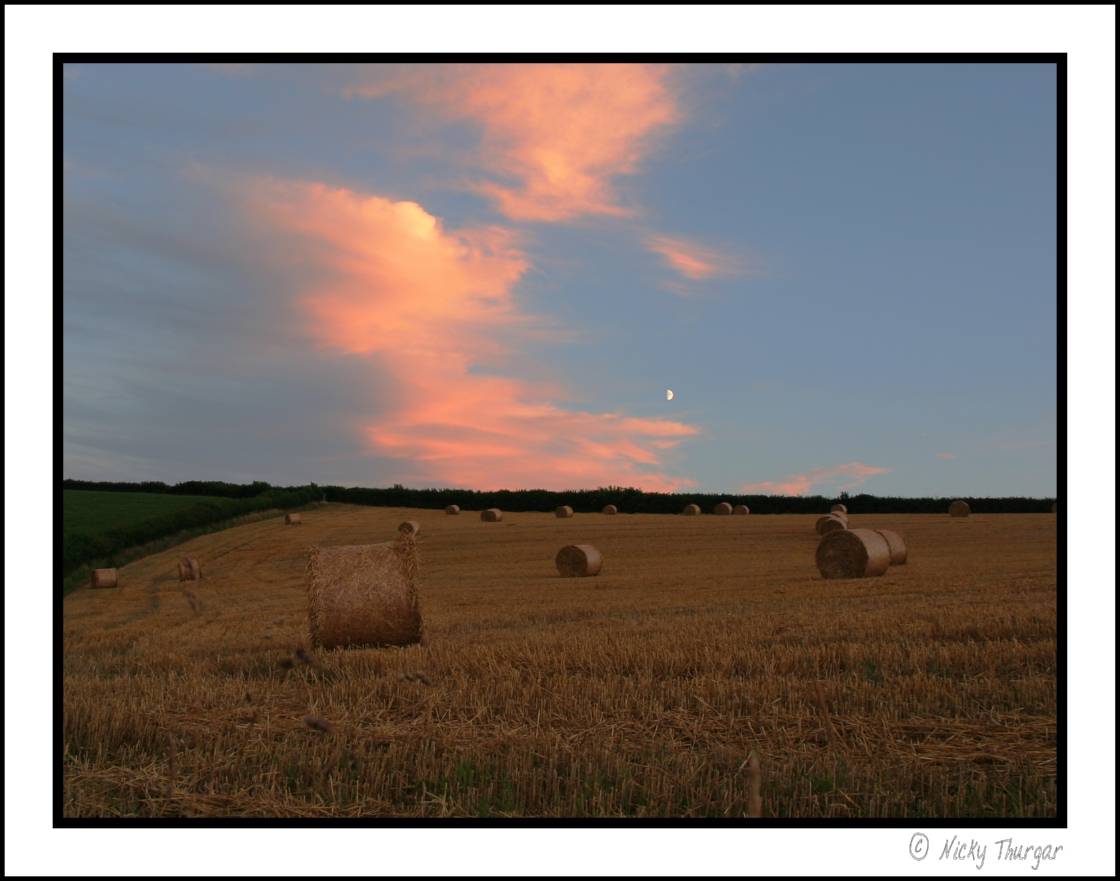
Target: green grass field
93,513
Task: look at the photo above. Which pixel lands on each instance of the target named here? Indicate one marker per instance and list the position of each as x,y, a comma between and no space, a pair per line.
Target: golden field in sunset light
641,692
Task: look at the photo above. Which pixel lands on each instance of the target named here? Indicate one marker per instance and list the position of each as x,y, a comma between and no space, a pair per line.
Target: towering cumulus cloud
431,306
554,136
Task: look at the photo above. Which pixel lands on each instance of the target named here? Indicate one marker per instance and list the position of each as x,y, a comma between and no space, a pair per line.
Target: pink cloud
554,137
842,477
691,260
433,305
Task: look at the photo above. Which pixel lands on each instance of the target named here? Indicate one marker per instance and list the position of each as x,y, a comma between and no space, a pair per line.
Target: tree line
634,501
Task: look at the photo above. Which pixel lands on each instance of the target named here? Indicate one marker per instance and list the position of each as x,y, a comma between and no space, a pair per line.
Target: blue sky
444,276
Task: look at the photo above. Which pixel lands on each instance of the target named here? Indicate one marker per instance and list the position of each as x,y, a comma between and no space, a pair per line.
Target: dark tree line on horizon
628,499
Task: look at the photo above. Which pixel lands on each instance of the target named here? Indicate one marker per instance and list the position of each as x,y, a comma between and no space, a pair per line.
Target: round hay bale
838,509
410,527
491,515
451,509
189,570
723,509
741,509
853,553
364,595
959,509
564,511
103,578
293,519
610,509
830,523
578,561
691,510
896,544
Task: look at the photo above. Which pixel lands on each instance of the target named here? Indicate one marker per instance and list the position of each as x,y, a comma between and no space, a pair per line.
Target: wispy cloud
946,456
841,477
431,307
692,260
555,137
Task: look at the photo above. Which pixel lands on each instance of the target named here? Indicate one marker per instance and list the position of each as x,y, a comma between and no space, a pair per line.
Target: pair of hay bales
859,553
723,509
189,570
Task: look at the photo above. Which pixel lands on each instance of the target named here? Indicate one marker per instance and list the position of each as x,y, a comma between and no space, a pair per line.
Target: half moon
668,394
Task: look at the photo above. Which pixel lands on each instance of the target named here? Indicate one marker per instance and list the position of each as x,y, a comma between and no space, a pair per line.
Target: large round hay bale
578,561
103,578
896,544
830,523
410,527
959,509
564,511
491,515
189,569
838,509
451,509
723,509
741,509
610,509
691,510
293,519
853,553
364,595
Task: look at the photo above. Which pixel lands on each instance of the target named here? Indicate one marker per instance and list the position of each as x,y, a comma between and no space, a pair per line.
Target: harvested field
926,692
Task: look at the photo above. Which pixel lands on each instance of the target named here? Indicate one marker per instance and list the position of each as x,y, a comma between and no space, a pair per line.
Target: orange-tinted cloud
691,260
843,477
433,305
554,136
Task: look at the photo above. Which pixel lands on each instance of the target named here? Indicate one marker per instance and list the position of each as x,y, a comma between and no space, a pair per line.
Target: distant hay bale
364,595
723,509
830,523
691,510
959,509
293,519
838,509
411,527
578,561
451,509
103,578
610,509
189,570
491,515
896,544
741,509
853,553
564,511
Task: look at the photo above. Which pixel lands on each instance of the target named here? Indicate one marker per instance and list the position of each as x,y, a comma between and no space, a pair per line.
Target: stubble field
928,692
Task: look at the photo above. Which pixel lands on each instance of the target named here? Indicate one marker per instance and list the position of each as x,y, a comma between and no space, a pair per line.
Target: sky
488,275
